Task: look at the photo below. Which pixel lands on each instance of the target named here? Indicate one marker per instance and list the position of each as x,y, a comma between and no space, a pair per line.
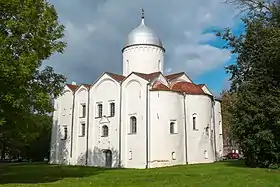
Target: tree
29,34
256,81
227,103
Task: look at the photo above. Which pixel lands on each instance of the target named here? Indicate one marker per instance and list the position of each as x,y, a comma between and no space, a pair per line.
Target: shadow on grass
43,173
235,163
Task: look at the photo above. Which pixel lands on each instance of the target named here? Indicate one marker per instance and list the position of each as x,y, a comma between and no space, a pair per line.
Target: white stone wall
218,129
62,118
166,149
134,103
79,140
133,98
200,145
143,59
104,91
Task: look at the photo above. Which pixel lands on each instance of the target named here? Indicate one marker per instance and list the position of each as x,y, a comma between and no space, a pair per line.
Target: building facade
140,119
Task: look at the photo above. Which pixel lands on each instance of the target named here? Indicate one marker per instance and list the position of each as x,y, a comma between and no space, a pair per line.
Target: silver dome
143,35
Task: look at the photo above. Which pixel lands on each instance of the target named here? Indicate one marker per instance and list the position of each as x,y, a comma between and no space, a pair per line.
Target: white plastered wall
62,117
143,59
104,91
134,100
200,143
218,129
166,149
79,142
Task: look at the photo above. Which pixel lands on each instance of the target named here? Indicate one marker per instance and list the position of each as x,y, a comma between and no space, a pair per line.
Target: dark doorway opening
108,158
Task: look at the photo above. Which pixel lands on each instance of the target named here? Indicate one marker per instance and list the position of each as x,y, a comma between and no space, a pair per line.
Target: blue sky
217,79
97,30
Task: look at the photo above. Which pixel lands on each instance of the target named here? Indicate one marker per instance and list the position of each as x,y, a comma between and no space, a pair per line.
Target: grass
232,174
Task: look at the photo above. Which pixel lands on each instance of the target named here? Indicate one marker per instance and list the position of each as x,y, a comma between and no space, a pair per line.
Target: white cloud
96,31
198,59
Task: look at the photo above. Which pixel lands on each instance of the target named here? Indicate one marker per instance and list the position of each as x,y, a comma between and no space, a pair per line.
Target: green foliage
29,34
256,83
227,104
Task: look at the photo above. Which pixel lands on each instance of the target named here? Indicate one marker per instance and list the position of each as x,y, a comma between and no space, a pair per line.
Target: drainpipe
147,125
185,124
214,129
120,132
72,125
87,126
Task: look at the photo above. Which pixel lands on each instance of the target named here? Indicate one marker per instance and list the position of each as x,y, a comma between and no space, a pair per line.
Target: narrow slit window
99,110
194,121
130,155
64,133
172,127
112,109
173,156
83,129
83,110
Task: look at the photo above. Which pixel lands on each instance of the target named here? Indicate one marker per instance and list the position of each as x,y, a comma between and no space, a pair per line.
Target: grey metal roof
143,35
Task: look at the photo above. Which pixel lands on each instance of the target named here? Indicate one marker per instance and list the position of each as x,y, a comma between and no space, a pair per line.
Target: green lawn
223,174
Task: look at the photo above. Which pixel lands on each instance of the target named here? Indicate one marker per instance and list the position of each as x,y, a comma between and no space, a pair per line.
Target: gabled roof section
72,87
86,85
160,86
116,77
188,88
149,77
174,76
205,89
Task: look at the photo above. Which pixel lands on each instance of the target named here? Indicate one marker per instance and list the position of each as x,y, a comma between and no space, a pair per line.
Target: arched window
133,125
159,65
105,131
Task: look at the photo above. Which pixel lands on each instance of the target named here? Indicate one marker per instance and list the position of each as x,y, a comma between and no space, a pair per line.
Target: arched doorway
108,158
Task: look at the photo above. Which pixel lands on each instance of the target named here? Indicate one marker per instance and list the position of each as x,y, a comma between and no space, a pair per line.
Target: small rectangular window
83,129
99,110
173,156
112,109
64,133
83,110
173,127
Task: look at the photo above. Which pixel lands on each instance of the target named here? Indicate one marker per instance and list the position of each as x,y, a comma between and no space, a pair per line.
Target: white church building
140,119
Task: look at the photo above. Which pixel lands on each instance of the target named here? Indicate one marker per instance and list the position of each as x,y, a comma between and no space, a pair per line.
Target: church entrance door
108,158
